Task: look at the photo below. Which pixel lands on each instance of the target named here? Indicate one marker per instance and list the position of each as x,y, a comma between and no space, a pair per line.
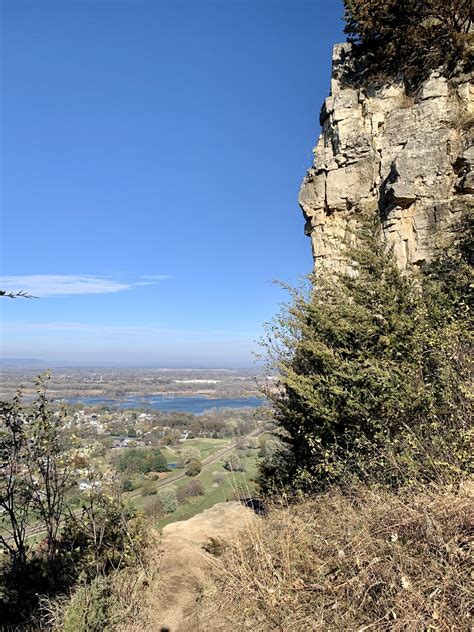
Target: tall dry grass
365,560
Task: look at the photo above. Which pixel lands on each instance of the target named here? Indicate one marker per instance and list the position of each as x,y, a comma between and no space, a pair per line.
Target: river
195,404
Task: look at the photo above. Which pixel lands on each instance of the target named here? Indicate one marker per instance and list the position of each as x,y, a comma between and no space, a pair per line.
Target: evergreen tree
371,383
409,37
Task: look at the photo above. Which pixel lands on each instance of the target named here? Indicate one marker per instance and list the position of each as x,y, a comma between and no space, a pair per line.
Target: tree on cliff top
408,37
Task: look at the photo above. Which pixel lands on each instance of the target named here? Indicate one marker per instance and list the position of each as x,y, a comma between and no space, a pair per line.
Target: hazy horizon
32,363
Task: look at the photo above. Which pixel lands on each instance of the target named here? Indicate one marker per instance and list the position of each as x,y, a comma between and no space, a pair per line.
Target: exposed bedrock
408,160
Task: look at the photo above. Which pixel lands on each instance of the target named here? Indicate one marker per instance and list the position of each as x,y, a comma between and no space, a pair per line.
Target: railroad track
37,530
207,461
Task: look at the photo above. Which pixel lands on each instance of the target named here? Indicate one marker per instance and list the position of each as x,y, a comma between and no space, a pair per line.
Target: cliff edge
407,160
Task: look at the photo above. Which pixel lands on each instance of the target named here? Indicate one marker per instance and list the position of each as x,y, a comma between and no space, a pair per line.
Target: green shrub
193,468
127,485
148,488
107,535
156,461
373,370
195,488
92,608
189,454
182,495
233,463
192,489
168,499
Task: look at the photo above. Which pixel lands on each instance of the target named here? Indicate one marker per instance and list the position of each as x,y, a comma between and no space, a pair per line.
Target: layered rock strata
407,160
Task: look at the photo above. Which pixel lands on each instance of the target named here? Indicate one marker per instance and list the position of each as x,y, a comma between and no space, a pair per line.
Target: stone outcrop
407,160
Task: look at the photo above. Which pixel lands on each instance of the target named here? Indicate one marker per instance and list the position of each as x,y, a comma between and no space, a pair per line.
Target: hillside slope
170,602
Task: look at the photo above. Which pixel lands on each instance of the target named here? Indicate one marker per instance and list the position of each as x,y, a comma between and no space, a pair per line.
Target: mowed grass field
205,446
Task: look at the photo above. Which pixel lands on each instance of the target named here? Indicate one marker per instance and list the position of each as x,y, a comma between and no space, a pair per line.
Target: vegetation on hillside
364,559
408,38
374,373
370,526
46,547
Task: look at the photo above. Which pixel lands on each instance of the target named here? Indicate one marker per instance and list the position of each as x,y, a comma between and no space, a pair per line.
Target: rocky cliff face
408,160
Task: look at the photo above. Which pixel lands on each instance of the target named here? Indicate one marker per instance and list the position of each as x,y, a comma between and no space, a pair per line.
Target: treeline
141,461
214,424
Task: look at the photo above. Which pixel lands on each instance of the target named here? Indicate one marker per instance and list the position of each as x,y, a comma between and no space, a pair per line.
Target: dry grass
370,560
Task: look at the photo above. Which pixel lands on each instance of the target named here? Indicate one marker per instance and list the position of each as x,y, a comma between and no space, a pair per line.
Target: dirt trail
184,563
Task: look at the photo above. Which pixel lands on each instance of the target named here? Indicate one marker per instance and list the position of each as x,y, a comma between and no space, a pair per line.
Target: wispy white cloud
43,285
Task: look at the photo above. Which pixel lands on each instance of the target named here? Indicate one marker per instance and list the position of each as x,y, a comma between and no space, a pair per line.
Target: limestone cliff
408,160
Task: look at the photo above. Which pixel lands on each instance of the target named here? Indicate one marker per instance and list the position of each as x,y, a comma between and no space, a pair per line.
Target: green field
205,446
212,495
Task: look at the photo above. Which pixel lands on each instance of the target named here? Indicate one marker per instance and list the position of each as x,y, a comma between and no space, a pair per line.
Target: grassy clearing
205,446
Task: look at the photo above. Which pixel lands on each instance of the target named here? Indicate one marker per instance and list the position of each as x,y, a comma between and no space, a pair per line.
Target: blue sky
151,154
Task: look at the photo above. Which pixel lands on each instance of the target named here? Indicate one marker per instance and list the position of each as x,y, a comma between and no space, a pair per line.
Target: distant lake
195,405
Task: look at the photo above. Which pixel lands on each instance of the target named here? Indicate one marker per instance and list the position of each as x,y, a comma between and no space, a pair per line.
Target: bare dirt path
185,563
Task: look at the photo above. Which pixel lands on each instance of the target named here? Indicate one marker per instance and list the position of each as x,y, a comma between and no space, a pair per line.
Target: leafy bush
269,447
408,37
168,499
91,609
373,370
156,461
195,488
193,468
127,485
189,454
192,489
182,495
233,463
148,488
107,535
